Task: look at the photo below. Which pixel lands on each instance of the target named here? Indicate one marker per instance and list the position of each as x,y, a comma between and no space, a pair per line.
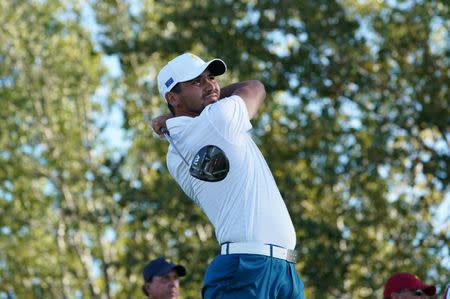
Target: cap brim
217,67
181,271
429,290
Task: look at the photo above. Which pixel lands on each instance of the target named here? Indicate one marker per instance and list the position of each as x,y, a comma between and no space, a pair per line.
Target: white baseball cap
186,67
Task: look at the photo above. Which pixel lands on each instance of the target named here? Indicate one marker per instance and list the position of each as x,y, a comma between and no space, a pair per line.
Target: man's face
409,294
164,287
196,94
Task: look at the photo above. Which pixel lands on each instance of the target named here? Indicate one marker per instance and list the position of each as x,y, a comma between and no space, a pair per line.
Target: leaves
355,130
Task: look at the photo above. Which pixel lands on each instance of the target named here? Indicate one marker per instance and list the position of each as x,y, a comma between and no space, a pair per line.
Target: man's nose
208,83
174,282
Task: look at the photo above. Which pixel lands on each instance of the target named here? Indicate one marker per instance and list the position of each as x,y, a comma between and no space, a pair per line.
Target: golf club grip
164,131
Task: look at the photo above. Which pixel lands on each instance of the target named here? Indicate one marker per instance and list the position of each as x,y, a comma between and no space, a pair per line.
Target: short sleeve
230,117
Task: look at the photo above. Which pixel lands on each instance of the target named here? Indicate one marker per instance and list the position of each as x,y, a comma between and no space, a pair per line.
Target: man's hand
160,122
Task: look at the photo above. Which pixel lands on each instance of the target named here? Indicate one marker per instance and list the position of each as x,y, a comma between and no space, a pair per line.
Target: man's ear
145,289
172,98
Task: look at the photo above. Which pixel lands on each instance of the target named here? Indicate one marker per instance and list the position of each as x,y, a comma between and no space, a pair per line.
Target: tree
355,129
348,129
48,77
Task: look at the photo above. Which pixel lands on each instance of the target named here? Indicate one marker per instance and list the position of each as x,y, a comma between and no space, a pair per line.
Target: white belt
259,248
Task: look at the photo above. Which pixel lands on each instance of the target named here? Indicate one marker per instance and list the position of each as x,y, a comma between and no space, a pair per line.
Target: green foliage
48,76
355,129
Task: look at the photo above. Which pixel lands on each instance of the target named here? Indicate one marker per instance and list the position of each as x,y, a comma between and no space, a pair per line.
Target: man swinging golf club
217,164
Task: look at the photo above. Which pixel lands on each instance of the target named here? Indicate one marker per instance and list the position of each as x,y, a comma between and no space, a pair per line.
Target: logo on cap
169,82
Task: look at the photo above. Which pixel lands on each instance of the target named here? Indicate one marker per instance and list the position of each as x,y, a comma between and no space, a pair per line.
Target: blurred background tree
355,129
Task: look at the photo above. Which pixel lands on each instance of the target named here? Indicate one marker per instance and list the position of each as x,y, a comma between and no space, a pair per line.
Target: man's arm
252,92
160,122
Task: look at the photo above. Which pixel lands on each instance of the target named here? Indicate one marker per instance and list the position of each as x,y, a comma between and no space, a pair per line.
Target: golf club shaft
172,142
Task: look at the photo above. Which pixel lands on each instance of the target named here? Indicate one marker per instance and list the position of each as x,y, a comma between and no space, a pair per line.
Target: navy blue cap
161,267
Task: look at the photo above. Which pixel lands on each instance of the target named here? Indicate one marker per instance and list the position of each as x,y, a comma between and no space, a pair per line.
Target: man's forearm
228,90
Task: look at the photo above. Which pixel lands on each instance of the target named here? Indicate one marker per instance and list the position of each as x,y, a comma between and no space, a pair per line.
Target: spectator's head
161,279
407,286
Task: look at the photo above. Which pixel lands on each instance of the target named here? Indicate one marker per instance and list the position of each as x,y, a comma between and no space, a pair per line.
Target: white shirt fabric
246,206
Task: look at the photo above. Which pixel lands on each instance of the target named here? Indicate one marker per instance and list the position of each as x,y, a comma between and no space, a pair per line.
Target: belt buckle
291,256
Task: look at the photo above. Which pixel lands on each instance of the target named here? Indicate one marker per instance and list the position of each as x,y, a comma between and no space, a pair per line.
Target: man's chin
211,99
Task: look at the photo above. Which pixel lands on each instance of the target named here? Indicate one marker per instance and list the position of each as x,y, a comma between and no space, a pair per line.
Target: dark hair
175,89
144,290
172,110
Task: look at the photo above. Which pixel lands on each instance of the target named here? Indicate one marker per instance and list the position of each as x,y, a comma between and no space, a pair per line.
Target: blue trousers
246,276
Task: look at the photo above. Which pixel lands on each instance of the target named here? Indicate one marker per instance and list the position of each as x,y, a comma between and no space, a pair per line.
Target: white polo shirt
246,206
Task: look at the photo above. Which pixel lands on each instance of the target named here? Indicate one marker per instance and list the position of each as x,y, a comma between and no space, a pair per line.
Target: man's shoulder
176,125
225,104
178,120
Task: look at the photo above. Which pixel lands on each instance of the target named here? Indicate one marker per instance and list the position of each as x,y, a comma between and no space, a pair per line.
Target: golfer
217,164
